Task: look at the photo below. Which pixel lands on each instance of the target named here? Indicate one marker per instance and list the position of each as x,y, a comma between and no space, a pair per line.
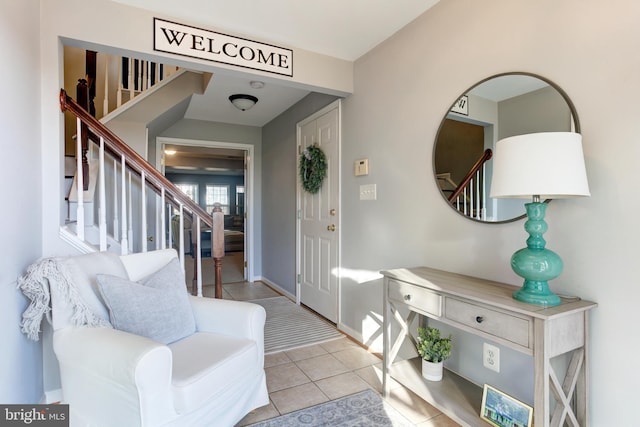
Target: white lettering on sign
195,42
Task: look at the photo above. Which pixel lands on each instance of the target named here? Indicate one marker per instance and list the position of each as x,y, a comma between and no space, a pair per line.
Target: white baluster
120,83
472,203
116,228
148,74
464,200
103,199
143,77
181,236
169,207
124,243
478,212
484,192
131,86
198,255
79,182
130,217
143,211
105,102
139,75
163,235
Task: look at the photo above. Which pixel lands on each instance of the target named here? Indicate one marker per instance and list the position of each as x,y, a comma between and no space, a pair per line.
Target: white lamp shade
548,164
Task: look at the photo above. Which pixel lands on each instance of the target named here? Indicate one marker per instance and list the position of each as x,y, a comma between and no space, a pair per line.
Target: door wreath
313,168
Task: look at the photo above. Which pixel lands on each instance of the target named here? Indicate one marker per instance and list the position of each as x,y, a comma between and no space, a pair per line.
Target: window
239,199
218,194
191,190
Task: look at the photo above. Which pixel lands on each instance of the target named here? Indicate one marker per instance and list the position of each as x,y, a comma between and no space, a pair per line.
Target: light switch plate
368,192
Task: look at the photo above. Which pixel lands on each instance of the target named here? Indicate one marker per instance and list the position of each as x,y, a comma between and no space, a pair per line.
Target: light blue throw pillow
156,307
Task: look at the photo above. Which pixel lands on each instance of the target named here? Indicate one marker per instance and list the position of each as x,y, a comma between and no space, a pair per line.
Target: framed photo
501,410
461,106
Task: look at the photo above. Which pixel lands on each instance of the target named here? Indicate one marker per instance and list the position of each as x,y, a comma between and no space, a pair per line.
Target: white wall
402,90
20,360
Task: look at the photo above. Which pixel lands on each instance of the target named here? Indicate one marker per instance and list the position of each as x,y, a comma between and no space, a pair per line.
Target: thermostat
361,167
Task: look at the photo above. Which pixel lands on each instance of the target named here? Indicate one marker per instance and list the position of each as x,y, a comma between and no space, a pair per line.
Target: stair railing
470,196
134,77
133,165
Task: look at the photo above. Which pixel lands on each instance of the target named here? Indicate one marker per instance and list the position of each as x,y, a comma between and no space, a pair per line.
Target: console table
486,309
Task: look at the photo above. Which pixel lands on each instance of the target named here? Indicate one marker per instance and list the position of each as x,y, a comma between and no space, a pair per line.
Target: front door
318,218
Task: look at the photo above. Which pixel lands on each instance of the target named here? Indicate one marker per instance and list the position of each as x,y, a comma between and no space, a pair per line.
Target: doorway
222,172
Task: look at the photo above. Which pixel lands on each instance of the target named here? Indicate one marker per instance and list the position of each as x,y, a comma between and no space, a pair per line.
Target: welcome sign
194,42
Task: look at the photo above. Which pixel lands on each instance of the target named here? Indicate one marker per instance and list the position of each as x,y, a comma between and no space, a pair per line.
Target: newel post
217,243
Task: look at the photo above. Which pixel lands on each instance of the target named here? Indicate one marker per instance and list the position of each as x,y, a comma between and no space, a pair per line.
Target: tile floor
312,375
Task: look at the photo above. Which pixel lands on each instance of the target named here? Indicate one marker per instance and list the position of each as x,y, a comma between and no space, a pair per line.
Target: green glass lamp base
537,293
535,264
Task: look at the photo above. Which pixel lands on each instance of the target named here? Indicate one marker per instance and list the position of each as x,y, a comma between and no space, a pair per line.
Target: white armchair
212,377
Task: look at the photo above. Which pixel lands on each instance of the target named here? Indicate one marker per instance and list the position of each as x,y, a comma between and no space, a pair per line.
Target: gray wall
21,359
279,191
402,90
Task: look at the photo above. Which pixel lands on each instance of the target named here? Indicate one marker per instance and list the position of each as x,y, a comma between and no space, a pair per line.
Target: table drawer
502,325
418,298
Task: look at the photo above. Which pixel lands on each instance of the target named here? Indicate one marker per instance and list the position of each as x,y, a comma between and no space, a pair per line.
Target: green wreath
313,168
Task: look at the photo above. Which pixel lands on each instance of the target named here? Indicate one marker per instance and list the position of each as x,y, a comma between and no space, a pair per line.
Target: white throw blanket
35,285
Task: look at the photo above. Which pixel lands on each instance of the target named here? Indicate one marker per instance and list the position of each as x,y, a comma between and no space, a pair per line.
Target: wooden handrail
481,161
135,162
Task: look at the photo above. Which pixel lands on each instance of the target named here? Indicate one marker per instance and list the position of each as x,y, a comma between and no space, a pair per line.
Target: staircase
469,197
124,204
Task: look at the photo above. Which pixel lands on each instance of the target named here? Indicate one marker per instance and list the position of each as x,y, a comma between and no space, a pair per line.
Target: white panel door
319,221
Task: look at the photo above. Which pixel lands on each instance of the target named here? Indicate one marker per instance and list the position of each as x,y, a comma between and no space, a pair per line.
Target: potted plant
433,349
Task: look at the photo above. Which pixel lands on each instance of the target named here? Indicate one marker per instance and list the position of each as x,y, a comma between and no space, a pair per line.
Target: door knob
331,227
332,212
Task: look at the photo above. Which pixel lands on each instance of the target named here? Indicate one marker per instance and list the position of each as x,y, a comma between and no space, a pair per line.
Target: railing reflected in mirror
498,107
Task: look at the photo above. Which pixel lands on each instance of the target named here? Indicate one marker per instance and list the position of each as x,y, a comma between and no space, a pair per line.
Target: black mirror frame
565,96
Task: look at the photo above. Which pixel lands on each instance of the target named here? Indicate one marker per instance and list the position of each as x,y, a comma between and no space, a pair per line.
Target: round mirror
498,107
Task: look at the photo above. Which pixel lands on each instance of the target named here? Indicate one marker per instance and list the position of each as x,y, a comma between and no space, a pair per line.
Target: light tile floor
308,376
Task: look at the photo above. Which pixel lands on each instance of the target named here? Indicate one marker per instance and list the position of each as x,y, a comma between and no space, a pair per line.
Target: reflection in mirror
496,108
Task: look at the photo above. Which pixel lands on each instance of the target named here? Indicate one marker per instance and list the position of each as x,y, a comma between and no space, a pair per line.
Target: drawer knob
479,319
407,297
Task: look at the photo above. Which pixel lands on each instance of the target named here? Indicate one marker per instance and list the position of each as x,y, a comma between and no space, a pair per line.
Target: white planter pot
431,371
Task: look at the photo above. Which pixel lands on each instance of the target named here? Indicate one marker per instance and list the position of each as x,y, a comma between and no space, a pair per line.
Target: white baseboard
278,288
351,332
52,396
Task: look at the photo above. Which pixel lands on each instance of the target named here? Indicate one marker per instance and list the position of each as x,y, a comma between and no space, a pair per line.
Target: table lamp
546,165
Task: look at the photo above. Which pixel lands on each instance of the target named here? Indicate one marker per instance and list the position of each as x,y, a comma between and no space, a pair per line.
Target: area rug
365,408
290,326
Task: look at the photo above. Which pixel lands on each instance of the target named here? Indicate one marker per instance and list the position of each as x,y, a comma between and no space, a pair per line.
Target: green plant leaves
313,168
431,346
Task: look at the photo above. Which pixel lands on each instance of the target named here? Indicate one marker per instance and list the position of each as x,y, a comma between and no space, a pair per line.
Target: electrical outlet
491,357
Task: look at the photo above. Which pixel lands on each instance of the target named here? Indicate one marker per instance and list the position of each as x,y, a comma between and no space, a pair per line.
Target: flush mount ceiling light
170,151
243,102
